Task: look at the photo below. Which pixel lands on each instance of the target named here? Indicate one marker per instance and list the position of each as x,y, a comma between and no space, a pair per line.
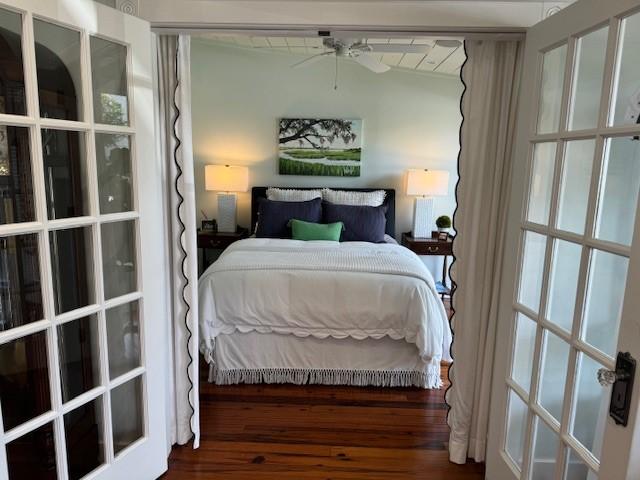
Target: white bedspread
353,289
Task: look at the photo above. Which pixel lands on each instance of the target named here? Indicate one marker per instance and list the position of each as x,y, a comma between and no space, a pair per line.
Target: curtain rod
345,31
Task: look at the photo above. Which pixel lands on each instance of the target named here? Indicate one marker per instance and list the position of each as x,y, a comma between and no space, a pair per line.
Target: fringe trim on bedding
360,378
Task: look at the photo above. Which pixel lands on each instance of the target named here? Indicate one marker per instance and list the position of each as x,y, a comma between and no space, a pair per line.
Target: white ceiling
438,59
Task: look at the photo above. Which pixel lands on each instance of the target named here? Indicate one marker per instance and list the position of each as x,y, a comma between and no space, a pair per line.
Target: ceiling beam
364,17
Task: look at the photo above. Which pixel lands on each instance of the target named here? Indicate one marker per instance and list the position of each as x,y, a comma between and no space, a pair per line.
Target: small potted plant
443,223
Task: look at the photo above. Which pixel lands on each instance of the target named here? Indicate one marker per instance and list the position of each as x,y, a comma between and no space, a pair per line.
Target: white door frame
146,457
617,461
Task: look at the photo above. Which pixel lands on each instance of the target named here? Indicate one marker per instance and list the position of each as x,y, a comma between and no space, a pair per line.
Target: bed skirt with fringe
359,378
273,358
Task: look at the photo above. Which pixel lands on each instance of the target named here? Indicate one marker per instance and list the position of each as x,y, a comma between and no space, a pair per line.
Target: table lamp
226,180
425,184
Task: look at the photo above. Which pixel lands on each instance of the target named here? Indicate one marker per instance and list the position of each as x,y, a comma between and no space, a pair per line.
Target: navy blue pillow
274,216
361,223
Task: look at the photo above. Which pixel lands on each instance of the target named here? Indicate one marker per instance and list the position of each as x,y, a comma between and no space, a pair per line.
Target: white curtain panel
175,149
491,76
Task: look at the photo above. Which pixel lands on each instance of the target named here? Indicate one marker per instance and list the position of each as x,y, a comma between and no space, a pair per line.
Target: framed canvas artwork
324,147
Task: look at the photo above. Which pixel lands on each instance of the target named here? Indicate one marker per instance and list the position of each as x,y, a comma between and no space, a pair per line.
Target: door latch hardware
622,381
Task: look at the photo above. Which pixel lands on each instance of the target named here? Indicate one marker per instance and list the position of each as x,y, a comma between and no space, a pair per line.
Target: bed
323,312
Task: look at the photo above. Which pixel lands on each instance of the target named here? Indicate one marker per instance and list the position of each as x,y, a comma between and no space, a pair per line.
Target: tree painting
326,147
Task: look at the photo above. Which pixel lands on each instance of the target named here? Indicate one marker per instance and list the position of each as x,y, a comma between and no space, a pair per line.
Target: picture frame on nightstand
209,225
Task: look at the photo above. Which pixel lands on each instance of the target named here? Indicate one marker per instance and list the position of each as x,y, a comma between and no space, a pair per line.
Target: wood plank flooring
260,432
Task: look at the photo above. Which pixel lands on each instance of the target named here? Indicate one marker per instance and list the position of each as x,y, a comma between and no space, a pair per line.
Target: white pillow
292,195
344,197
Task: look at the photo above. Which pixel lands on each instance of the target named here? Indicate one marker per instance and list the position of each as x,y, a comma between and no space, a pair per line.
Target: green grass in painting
291,167
347,154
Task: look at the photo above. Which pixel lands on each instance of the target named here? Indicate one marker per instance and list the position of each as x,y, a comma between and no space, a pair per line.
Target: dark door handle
622,380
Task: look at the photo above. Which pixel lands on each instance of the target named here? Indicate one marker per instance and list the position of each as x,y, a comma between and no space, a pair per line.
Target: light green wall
410,120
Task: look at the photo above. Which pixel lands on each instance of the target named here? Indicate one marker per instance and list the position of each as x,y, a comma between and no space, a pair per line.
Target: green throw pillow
315,231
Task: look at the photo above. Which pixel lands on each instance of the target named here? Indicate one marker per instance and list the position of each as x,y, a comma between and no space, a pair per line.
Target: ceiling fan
360,51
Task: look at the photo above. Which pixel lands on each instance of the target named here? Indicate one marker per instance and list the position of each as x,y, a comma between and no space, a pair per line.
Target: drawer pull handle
432,249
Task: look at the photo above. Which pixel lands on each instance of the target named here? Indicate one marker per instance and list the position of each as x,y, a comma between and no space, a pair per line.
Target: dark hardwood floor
257,432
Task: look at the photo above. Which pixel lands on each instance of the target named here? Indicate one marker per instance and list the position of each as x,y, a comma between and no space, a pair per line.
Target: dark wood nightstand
432,246
217,241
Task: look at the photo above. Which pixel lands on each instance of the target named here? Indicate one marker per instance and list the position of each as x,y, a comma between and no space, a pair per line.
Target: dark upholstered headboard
389,200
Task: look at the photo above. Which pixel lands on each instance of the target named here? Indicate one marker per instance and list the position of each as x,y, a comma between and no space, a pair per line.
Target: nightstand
217,241
432,246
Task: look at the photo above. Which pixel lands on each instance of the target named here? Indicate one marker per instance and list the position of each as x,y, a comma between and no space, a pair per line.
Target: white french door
571,300
81,376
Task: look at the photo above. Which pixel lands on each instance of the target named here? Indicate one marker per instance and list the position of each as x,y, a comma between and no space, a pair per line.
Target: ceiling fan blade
448,43
398,48
311,60
371,63
271,47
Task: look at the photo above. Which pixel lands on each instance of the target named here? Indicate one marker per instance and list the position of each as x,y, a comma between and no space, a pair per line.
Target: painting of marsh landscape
325,147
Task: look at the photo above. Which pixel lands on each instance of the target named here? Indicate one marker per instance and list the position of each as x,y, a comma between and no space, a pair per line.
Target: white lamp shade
430,183
224,178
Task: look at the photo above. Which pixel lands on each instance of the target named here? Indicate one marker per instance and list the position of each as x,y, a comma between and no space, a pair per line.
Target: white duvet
352,289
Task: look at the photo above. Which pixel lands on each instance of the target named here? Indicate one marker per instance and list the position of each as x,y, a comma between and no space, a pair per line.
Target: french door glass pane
553,374
78,346
532,266
115,179
12,99
516,428
71,266
590,53
118,258
126,414
563,283
627,89
58,66
65,175
574,188
551,89
33,456
541,183
65,331
524,348
545,450
619,190
17,203
591,405
24,380
84,436
123,338
109,77
603,309
20,290
576,469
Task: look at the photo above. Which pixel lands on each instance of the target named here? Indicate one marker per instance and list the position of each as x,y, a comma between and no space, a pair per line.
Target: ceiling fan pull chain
335,78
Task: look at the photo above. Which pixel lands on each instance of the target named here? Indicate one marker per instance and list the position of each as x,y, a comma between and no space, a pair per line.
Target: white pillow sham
345,197
292,195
